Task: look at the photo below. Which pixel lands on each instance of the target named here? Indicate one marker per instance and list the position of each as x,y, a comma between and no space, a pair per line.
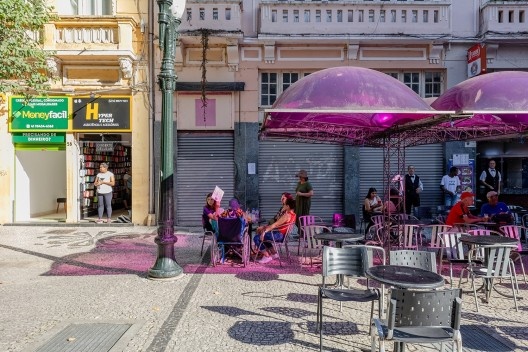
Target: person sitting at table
282,210
209,214
275,232
460,213
390,205
372,205
497,211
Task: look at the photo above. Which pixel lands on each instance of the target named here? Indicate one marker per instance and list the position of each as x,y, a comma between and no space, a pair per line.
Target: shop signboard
476,60
38,114
39,137
102,114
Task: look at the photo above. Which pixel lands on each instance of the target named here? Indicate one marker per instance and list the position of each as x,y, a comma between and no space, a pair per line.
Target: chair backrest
479,232
435,308
498,260
378,220
350,260
310,231
454,249
514,232
436,241
408,235
417,259
231,229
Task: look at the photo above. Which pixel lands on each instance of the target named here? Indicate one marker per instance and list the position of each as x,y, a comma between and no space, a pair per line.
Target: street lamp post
169,18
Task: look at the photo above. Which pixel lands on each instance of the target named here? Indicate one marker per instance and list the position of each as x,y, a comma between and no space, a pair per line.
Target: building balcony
344,18
92,36
503,17
224,17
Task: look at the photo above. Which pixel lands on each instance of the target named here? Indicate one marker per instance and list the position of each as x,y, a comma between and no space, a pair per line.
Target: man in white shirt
450,185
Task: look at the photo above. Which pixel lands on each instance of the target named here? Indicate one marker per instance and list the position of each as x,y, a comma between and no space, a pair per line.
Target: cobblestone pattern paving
51,276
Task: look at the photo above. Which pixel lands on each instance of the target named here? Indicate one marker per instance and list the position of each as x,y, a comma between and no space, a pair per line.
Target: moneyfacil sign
38,114
103,114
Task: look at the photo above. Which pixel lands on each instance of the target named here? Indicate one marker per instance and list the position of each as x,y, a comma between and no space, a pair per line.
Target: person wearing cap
494,207
303,195
460,213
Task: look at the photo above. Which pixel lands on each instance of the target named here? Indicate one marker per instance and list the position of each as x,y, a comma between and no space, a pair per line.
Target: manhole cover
86,338
475,339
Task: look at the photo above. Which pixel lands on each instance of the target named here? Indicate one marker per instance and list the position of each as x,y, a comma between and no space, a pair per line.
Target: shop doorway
40,181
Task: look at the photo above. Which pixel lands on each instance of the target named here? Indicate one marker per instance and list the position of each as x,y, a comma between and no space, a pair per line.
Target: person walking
127,199
413,187
303,195
104,181
450,185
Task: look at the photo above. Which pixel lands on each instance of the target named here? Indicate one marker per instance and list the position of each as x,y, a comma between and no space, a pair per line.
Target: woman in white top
371,206
104,181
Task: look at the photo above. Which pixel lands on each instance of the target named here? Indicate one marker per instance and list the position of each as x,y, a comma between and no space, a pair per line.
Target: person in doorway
127,199
491,178
275,232
303,195
104,181
450,185
413,187
460,213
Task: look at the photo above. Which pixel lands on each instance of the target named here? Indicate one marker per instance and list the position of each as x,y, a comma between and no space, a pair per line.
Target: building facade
254,51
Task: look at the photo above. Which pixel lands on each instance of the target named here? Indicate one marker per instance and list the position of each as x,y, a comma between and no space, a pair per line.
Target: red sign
476,60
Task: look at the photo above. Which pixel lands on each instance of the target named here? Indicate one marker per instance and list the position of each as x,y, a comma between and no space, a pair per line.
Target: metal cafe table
405,277
339,237
487,240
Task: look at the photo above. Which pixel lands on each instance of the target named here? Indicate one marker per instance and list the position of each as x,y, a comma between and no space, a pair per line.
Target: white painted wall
40,180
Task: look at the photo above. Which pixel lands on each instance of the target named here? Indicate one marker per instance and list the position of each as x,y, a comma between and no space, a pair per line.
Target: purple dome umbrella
347,105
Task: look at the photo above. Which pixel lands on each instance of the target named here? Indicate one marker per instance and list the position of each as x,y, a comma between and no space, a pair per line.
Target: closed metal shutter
280,161
204,161
428,160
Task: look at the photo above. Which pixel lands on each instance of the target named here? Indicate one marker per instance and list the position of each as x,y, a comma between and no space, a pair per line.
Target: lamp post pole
169,18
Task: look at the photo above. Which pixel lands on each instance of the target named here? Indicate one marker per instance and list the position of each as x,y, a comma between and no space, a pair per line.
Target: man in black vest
413,187
491,178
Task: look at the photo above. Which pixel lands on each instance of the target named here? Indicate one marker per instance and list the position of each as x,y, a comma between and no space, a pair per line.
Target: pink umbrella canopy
494,104
349,105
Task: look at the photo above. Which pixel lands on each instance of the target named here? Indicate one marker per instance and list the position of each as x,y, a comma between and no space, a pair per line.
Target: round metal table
339,237
487,240
405,277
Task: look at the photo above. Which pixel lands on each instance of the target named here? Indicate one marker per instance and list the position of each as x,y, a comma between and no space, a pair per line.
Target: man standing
303,195
491,178
413,187
450,185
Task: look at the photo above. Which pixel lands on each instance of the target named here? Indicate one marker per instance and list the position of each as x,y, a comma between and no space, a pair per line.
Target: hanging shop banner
39,137
102,114
476,60
38,114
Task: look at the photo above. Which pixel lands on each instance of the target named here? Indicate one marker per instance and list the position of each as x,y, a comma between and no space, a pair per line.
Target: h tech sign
101,114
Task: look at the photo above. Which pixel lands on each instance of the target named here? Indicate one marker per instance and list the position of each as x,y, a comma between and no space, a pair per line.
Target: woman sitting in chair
275,232
209,214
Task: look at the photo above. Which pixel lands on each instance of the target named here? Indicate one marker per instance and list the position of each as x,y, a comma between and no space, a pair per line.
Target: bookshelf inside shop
119,160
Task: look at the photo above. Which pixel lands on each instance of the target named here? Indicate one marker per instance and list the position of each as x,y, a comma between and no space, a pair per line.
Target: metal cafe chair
304,221
453,250
416,259
498,266
310,243
420,317
352,261
514,232
277,245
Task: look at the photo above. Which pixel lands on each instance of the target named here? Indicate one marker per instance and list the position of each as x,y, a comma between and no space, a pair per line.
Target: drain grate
476,339
86,338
